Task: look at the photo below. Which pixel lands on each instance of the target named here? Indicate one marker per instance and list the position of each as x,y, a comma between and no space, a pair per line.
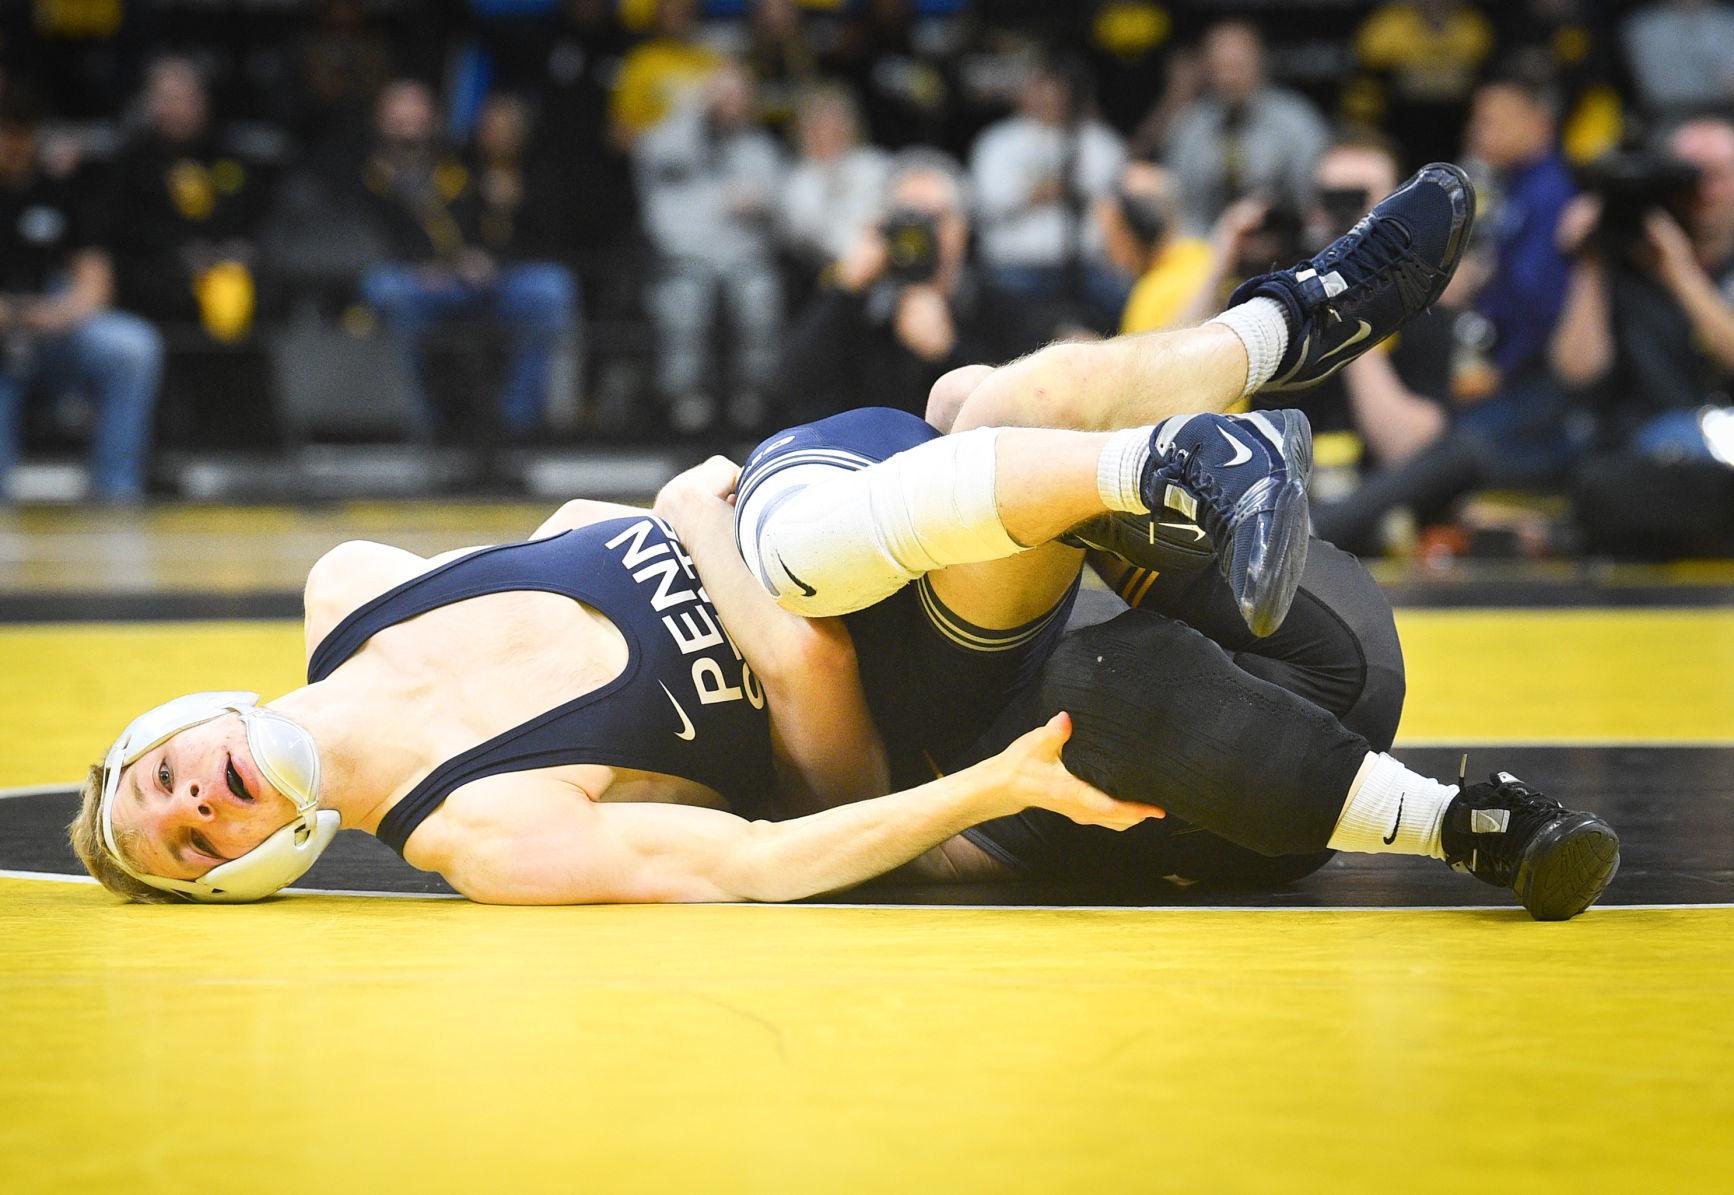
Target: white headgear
285,753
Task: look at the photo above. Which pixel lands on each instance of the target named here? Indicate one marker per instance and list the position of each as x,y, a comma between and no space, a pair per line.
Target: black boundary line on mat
80,606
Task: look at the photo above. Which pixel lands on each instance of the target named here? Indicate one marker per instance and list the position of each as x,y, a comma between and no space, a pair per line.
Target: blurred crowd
637,219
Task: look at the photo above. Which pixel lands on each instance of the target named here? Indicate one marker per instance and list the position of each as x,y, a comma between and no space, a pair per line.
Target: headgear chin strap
285,753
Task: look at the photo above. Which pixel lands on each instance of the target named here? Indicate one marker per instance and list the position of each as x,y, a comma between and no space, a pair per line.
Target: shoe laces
1212,502
1381,244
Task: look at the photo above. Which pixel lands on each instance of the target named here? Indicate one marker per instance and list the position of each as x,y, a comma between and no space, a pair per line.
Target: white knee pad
826,540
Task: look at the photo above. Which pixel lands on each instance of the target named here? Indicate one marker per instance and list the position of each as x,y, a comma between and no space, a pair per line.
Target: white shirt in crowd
826,205
708,196
1010,162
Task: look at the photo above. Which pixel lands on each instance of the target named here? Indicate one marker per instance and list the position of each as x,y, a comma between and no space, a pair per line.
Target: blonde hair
86,838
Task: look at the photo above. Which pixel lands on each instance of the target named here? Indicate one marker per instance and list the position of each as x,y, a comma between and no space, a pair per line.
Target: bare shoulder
352,573
582,512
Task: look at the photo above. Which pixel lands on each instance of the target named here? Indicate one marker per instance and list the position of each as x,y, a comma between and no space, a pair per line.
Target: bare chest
459,676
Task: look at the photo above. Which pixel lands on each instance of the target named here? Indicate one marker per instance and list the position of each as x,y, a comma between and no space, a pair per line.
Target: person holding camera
1649,314
903,307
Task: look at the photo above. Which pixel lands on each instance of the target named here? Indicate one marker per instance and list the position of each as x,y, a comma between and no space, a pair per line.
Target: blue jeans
1673,436
537,303
1105,290
117,360
1529,432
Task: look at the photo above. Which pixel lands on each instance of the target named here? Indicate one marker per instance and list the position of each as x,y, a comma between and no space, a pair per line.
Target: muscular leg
1099,385
848,541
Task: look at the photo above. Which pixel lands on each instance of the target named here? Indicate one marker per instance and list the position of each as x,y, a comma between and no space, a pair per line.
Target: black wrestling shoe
1557,861
1240,483
1370,281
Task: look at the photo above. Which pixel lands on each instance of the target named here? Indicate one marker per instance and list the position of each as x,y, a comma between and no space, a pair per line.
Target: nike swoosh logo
689,733
1242,453
1392,836
1194,528
1364,331
805,588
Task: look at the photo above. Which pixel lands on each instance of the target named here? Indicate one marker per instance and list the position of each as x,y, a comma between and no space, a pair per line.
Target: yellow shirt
1168,287
1430,63
652,78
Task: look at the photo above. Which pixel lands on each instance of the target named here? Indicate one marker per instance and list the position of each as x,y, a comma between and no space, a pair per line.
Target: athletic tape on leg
848,541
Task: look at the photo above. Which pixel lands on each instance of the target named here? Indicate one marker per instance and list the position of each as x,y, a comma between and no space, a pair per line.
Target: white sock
1119,468
1392,811
1262,327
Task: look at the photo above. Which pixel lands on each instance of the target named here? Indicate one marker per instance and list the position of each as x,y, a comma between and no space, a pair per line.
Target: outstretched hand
713,479
1034,777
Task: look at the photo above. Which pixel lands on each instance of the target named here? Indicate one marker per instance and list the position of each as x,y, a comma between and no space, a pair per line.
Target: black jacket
844,353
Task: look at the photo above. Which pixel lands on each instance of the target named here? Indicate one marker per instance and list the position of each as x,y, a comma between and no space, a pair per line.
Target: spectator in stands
658,74
344,63
781,60
1390,405
574,148
1513,128
1682,54
519,216
1653,321
835,189
709,178
905,93
903,307
1244,135
429,207
1424,57
1036,175
188,208
1514,424
56,324
1140,223
1574,42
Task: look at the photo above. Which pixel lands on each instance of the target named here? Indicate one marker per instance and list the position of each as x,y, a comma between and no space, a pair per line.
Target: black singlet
685,705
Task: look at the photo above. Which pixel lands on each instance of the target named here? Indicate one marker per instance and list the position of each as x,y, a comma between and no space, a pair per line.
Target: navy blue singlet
685,705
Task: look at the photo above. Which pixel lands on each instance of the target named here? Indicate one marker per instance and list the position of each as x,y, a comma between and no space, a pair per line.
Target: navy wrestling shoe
1557,860
1238,482
1370,281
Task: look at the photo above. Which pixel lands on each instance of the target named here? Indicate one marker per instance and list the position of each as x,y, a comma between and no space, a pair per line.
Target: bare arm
91,290
1582,348
1395,421
520,840
823,734
1677,262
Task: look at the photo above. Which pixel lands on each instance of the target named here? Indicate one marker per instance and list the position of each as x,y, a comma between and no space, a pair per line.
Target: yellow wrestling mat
345,1044
329,1043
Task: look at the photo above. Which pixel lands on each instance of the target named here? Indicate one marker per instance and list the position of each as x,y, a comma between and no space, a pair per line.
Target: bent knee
1039,390
945,400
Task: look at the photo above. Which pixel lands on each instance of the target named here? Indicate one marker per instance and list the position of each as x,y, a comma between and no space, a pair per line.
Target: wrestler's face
196,801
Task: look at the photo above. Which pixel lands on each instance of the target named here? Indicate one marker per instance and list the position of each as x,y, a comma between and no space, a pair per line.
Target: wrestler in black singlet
685,705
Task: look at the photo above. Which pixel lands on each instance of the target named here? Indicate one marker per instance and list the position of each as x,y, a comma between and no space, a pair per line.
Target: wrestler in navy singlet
685,705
